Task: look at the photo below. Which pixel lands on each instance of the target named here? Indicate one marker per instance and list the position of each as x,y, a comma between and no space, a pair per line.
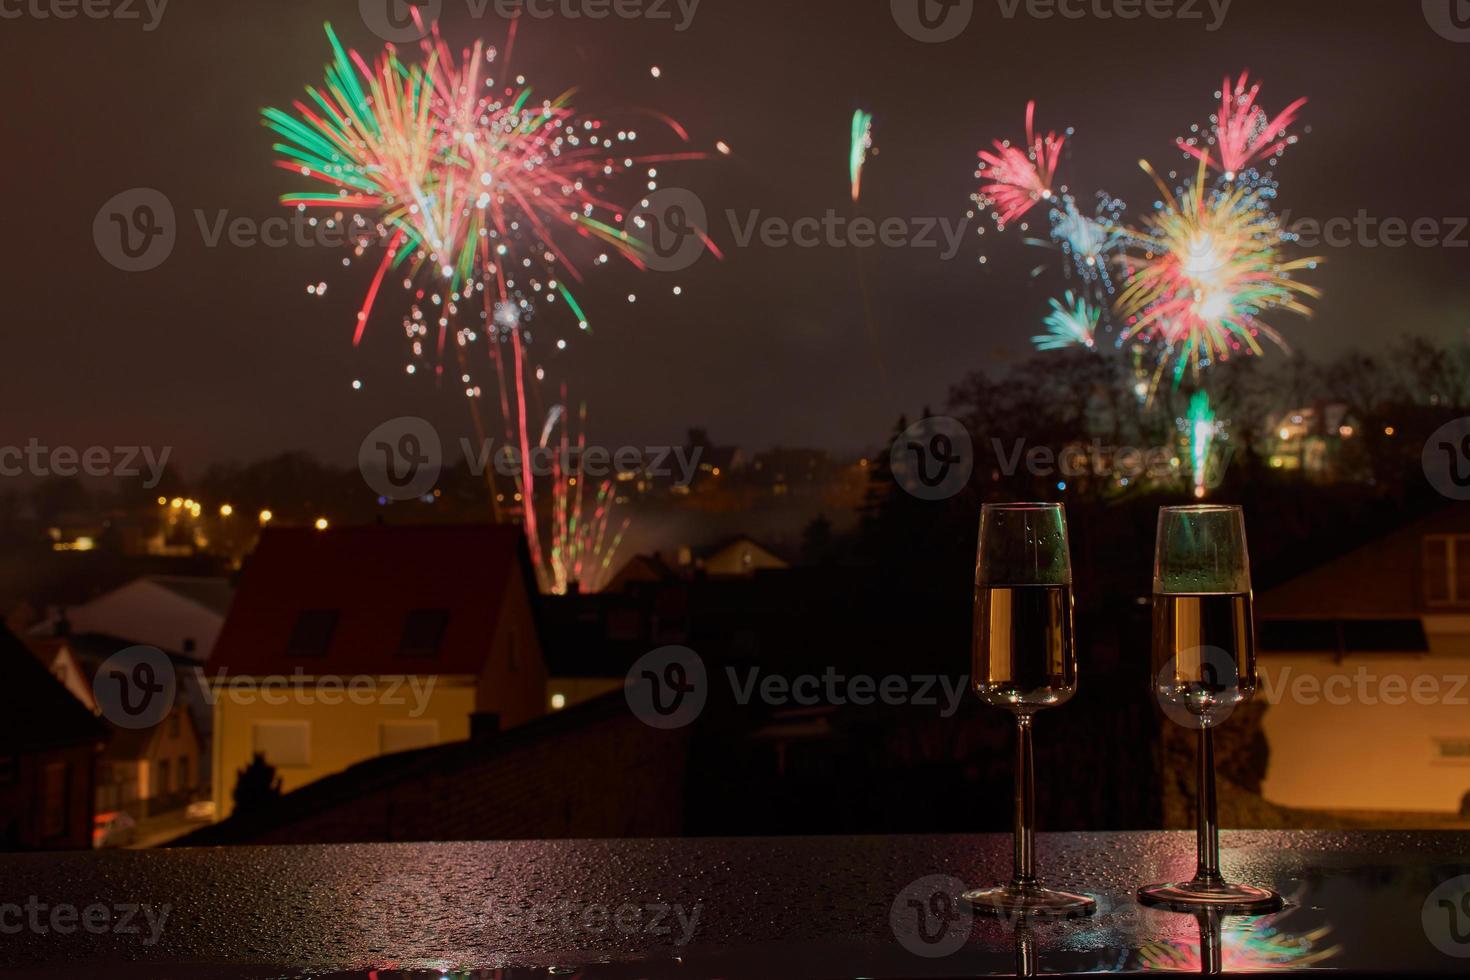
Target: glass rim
1024,505
1201,509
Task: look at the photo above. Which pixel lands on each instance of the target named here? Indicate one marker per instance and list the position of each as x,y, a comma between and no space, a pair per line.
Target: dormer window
312,634
423,631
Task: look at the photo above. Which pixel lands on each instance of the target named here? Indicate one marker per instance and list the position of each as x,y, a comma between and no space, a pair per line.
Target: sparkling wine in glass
1024,660
1204,664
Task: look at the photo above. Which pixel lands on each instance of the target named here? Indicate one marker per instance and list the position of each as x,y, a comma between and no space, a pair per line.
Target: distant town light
178,502
226,510
321,524
1388,431
558,701
163,501
266,516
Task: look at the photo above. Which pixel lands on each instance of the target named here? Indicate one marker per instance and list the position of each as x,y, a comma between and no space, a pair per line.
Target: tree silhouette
256,786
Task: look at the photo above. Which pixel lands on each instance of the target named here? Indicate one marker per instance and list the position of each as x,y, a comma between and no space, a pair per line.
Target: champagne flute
1024,660
1204,663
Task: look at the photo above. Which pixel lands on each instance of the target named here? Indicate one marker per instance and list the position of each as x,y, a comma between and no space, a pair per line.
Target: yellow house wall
1365,745
170,748
342,734
513,680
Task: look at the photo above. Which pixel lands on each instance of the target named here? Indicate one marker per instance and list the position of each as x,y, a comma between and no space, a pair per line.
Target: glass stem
1209,821
1025,864
1211,959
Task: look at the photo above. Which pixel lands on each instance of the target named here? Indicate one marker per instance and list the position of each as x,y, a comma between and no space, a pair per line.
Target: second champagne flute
1024,660
1205,667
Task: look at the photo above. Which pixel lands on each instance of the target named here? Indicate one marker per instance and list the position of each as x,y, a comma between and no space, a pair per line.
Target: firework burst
1194,283
1209,265
1090,242
1072,323
486,203
1017,178
1241,132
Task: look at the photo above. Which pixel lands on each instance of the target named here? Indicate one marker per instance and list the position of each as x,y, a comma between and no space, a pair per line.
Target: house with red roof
49,746
346,644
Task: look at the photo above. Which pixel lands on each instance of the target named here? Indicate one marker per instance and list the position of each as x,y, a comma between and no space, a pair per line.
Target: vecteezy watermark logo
35,459
90,9
1364,686
1449,18
1198,687
667,688
63,918
1365,230
933,459
833,688
275,690
670,227
394,20
1446,917
1446,459
930,919
134,688
933,21
135,230
402,458
1182,10
944,236
657,919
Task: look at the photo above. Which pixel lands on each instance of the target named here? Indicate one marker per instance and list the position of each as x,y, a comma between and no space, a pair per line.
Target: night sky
221,354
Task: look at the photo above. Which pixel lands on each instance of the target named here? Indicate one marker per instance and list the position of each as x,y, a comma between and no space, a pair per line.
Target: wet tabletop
1394,903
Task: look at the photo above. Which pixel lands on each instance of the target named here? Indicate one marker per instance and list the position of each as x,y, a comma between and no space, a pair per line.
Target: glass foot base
1219,896
1030,901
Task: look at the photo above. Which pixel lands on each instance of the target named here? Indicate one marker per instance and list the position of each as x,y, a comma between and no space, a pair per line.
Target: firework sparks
1072,323
483,195
584,541
1019,178
1242,132
862,144
1200,429
1089,242
1211,264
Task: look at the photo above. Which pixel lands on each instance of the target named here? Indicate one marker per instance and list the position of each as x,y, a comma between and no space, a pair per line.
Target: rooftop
370,600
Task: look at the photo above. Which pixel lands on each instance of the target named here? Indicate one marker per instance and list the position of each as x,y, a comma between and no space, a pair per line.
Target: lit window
283,743
1453,750
404,736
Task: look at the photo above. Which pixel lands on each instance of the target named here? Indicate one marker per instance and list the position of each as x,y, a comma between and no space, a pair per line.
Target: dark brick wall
22,799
